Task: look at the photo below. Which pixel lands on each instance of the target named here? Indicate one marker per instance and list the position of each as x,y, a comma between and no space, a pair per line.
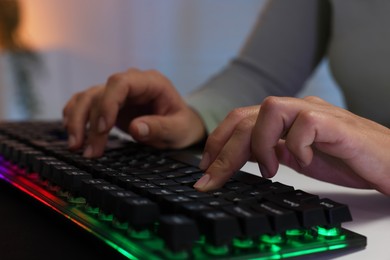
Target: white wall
84,41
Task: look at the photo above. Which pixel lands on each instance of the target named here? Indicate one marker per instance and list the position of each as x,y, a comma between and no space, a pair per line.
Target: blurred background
62,47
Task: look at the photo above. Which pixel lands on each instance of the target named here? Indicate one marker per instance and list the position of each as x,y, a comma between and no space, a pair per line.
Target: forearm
284,48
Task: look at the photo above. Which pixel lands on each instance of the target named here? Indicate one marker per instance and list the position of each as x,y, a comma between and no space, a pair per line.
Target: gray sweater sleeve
286,44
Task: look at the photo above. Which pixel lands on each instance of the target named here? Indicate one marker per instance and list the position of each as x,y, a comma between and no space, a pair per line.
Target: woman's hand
309,135
143,103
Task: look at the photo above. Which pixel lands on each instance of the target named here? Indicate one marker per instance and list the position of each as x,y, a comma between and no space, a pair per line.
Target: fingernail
264,172
202,182
71,141
204,163
102,125
88,152
143,129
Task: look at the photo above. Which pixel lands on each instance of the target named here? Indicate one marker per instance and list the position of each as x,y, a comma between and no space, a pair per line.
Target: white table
370,211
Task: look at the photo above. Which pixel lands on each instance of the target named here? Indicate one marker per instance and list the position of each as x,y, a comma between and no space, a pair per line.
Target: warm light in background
36,28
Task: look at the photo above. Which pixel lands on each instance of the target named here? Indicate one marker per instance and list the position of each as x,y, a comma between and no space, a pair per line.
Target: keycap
281,219
171,203
308,214
139,212
87,185
252,223
335,212
178,232
218,227
193,208
112,198
96,193
71,180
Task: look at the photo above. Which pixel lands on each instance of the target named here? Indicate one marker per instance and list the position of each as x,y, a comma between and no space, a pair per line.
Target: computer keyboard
140,201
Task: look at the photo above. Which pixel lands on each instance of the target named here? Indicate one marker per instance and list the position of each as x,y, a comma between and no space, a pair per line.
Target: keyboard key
281,219
307,214
336,213
274,187
71,180
171,203
193,208
218,227
252,223
95,196
112,198
139,212
87,185
178,232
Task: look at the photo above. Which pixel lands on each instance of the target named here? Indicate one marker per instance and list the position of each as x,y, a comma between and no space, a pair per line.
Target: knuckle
154,73
313,99
309,117
81,96
271,103
245,125
156,76
237,113
115,79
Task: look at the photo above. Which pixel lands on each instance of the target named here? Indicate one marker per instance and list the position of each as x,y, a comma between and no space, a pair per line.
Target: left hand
309,135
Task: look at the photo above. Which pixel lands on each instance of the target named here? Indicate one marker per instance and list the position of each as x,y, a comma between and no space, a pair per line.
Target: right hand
309,135
144,104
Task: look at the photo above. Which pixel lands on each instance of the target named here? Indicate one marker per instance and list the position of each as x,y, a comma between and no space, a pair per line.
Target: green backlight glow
295,232
275,248
217,250
105,217
276,239
176,256
340,246
121,250
305,252
143,234
119,225
328,232
91,210
243,243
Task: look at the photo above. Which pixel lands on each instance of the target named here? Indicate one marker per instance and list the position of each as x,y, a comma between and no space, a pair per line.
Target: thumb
158,131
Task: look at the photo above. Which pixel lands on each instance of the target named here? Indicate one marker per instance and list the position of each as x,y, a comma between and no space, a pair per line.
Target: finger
274,121
218,138
95,145
305,122
76,113
137,88
323,167
234,154
158,131
176,130
315,100
133,87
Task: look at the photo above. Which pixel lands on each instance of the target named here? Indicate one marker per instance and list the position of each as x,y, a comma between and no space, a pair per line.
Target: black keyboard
140,201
